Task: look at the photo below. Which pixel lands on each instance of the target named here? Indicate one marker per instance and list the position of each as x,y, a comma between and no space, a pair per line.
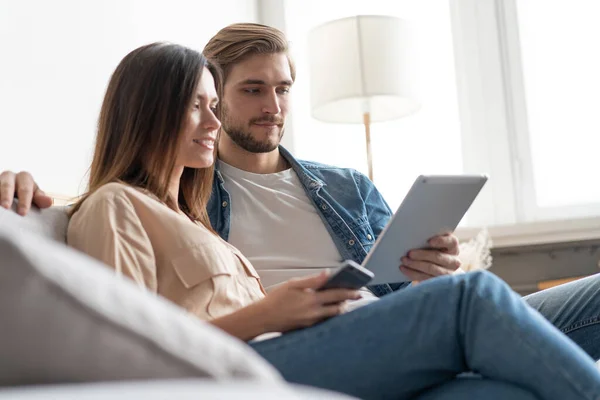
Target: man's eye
252,90
284,90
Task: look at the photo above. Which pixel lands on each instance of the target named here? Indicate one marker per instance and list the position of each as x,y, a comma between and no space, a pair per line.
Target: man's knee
478,280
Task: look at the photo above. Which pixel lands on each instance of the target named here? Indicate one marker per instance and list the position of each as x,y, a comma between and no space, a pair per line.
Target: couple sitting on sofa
161,212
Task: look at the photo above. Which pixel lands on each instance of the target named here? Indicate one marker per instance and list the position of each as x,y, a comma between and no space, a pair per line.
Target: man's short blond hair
235,43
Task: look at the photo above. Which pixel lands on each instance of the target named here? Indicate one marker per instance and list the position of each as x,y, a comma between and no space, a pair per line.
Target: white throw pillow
65,317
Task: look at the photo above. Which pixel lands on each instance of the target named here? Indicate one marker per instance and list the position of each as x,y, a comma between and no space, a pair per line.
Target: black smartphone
349,276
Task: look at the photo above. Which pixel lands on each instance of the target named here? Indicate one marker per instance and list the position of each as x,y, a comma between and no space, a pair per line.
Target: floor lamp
362,71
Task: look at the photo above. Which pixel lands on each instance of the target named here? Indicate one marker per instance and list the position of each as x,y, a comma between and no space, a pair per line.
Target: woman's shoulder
112,203
115,196
117,192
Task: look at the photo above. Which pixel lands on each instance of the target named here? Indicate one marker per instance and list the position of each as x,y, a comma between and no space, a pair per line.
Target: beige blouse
164,251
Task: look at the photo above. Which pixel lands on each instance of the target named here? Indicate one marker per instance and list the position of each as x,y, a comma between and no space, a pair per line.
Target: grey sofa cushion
196,389
51,222
65,317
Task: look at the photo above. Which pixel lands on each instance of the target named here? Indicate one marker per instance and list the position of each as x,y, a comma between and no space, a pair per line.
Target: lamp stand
367,123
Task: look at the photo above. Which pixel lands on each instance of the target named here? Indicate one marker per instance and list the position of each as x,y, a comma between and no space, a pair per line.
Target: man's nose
271,104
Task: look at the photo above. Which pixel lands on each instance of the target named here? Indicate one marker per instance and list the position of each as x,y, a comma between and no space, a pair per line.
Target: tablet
434,205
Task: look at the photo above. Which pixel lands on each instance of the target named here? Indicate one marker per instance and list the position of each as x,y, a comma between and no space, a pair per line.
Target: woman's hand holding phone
298,303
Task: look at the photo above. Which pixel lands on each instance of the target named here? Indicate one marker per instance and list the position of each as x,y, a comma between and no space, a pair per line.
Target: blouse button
369,237
351,242
224,204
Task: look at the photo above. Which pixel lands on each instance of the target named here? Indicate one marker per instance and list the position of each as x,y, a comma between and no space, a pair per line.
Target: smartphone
349,276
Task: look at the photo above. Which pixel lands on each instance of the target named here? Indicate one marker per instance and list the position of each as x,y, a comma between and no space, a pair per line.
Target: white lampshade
362,64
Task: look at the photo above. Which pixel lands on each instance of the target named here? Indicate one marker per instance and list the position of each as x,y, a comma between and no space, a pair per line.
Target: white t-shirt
276,226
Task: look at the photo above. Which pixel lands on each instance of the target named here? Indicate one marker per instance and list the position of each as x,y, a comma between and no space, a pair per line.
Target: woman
144,215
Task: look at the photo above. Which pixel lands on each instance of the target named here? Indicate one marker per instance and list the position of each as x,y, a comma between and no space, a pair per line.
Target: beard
242,136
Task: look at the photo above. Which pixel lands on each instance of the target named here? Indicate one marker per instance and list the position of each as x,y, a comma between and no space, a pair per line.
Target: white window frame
495,131
513,62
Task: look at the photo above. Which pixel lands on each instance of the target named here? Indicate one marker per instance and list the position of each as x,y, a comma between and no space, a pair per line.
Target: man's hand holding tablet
417,243
441,258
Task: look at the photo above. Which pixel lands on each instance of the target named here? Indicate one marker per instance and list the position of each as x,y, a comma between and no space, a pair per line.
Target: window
560,65
427,142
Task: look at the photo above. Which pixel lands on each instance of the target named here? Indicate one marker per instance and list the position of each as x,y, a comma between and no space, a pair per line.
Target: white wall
57,58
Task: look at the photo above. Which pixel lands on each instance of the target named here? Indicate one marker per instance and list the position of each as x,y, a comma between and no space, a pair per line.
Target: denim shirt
352,209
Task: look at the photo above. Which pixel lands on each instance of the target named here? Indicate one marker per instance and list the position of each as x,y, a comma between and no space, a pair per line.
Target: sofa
71,329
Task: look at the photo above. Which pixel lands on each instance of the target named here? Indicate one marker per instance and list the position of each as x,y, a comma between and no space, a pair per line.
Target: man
292,217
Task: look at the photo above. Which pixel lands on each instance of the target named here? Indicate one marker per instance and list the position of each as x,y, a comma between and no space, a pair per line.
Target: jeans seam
564,372
581,324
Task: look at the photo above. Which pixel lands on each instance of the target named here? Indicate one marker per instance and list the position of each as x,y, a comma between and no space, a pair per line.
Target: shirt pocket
215,281
246,265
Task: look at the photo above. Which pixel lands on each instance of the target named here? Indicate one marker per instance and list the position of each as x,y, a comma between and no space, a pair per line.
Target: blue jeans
574,308
415,341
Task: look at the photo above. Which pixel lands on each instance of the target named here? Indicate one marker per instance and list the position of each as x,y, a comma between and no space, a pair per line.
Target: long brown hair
141,118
